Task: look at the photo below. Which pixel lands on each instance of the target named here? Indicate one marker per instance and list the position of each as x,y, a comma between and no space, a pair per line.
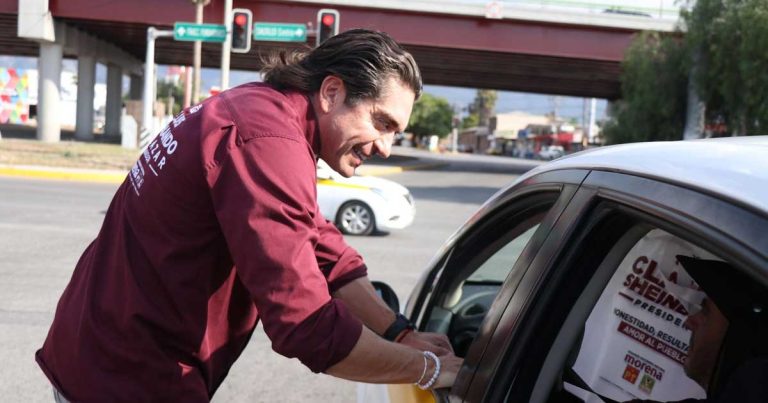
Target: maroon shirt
215,227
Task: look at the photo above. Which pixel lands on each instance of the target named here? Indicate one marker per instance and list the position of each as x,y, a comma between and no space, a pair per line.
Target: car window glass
478,267
496,268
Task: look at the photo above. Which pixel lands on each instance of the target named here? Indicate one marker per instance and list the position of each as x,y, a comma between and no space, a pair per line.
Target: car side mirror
387,294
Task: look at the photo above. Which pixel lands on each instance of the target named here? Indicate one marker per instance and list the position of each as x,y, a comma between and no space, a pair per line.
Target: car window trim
478,350
573,326
716,218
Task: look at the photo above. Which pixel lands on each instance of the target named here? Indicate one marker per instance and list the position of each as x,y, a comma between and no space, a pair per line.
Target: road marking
105,177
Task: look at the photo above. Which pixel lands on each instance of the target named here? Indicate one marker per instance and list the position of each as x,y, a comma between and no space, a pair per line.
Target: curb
117,177
71,174
388,170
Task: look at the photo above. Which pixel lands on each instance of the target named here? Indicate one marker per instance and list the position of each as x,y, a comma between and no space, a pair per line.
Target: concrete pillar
86,79
114,101
48,92
137,84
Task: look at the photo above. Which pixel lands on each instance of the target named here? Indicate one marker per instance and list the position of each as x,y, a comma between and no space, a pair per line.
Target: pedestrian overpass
477,44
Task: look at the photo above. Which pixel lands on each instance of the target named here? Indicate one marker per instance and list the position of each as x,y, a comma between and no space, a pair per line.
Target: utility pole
226,47
199,4
455,123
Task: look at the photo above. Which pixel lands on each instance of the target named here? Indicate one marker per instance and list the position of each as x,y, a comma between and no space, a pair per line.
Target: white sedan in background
361,205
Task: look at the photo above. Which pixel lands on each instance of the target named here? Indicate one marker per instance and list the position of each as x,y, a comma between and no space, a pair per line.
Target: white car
586,279
361,205
551,152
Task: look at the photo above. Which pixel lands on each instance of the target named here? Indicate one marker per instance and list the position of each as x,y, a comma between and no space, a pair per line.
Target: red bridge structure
454,43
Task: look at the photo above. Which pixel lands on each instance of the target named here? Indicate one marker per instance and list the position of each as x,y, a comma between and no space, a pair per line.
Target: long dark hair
362,58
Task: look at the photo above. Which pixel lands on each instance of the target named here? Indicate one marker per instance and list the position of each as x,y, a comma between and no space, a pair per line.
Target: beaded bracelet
435,375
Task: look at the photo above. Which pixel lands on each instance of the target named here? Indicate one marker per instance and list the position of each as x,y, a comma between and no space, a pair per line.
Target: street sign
279,32
189,31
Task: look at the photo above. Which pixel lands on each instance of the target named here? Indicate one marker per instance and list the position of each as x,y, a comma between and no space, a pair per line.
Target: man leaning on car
217,227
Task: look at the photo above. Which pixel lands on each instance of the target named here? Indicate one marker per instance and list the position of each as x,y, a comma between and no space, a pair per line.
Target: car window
497,267
635,341
479,265
649,322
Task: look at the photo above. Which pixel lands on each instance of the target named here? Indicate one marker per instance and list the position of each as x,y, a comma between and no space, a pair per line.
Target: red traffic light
242,30
327,24
329,19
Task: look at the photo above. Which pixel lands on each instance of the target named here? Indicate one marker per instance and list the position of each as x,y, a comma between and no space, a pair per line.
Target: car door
478,270
602,306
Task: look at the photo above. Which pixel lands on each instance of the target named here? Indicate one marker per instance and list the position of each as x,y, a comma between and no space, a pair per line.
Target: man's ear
332,93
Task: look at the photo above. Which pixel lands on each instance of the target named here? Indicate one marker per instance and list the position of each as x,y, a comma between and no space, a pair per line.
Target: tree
484,105
172,93
431,116
733,37
654,90
471,120
723,53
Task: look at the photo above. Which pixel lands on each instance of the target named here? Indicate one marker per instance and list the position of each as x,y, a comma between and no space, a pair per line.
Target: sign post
148,97
279,32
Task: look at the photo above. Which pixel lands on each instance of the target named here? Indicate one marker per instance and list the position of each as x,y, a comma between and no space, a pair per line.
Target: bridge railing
664,9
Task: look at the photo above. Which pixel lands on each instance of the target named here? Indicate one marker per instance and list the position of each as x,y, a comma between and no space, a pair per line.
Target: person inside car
728,355
217,227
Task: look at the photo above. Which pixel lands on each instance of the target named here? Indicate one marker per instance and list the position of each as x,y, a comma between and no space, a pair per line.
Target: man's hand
449,368
434,342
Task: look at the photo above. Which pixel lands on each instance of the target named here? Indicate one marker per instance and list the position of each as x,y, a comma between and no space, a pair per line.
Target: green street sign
279,32
188,31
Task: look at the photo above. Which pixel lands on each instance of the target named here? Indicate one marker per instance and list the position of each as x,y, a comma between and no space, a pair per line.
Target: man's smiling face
350,134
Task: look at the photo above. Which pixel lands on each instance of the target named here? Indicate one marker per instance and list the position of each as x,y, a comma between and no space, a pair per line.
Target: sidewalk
96,161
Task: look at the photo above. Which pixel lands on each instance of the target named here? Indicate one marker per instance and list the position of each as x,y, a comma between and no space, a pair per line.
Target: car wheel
355,218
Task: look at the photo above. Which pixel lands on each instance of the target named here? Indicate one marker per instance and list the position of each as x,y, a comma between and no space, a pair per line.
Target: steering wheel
467,318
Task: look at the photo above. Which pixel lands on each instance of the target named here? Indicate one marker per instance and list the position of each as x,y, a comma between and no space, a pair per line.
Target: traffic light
327,24
242,27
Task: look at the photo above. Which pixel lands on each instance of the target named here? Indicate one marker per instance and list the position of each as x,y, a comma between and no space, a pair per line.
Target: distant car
575,283
362,205
551,152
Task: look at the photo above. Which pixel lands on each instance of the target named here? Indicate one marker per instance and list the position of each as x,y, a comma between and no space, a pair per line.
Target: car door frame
719,224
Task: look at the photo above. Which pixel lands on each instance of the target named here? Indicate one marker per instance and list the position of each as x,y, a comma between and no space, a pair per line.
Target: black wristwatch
401,323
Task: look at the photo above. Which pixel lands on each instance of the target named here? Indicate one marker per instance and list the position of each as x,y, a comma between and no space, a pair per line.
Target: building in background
18,89
18,98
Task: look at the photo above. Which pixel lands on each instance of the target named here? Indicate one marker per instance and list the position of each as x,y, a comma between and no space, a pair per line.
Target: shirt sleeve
338,261
264,194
